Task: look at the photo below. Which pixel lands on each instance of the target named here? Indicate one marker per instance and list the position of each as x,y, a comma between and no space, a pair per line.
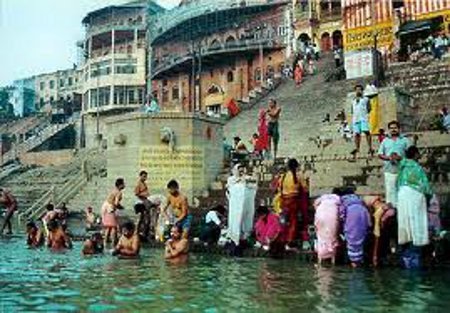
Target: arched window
230,77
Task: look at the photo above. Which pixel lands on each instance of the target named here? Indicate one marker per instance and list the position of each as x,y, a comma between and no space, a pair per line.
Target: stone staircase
46,131
428,81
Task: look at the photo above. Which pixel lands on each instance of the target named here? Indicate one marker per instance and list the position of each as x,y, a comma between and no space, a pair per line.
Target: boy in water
35,238
177,247
129,244
93,245
57,239
179,204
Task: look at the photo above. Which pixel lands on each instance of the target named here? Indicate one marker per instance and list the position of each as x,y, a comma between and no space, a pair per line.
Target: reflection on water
32,280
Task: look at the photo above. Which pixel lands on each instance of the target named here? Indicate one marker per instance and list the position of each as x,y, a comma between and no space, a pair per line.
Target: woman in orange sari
294,199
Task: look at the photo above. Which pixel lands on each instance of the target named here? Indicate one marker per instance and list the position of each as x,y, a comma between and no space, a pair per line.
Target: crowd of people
435,45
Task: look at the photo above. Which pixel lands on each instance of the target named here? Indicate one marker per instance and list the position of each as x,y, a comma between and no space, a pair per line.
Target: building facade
115,57
318,22
22,96
57,91
206,53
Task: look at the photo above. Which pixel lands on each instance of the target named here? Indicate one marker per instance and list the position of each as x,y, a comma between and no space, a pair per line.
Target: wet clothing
326,221
356,221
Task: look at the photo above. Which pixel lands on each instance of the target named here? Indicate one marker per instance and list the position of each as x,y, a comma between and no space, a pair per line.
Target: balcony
164,21
237,46
330,16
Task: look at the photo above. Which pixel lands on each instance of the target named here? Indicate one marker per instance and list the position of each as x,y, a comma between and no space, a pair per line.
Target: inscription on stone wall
185,165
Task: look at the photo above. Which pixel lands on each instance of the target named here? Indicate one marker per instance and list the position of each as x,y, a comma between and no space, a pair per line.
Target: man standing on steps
274,134
392,151
360,116
10,203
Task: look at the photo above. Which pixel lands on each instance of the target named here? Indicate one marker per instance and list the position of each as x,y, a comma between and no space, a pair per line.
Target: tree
6,108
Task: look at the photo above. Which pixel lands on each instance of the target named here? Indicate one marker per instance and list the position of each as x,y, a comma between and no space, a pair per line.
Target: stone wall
134,144
47,158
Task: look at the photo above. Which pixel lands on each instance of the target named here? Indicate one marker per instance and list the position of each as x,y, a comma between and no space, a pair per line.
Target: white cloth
412,217
241,211
360,112
390,186
212,216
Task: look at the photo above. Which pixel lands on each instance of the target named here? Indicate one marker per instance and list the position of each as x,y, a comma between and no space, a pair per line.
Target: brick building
205,53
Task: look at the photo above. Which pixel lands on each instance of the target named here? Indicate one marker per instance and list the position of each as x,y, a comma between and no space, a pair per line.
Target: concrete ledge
162,116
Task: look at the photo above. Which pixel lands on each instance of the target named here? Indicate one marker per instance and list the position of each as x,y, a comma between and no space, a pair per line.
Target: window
141,95
93,102
397,4
61,83
131,96
70,81
125,66
52,84
119,95
85,100
230,77
175,93
103,96
101,68
42,85
41,102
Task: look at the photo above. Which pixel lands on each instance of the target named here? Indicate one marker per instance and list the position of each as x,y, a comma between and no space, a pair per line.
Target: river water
42,281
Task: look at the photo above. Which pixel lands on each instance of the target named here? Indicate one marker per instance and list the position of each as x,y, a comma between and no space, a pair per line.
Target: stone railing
238,45
164,21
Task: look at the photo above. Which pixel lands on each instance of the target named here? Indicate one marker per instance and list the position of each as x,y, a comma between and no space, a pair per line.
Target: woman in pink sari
326,221
267,228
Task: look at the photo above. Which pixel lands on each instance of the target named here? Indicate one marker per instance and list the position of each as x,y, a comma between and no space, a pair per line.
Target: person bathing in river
356,223
94,245
57,239
49,216
129,244
179,205
10,203
177,247
326,221
35,237
268,229
109,211
214,222
90,219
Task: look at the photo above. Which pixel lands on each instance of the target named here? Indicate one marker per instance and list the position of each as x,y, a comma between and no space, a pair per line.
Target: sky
39,36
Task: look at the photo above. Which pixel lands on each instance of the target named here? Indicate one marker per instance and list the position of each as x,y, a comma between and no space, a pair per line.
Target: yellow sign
364,37
185,165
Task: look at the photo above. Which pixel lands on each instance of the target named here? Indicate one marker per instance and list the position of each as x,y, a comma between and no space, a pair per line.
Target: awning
415,26
214,99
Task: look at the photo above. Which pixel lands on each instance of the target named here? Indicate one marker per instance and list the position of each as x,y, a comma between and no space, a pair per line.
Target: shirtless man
109,210
274,112
146,219
93,245
35,238
10,203
57,238
177,247
179,204
129,244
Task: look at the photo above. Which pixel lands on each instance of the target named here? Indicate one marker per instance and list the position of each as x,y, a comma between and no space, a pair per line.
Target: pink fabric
263,131
327,225
267,229
109,216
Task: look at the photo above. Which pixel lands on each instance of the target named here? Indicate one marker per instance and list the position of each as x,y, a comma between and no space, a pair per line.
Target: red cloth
233,108
263,131
267,228
298,74
291,207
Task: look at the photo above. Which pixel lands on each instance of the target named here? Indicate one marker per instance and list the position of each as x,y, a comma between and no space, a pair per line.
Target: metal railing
164,21
228,47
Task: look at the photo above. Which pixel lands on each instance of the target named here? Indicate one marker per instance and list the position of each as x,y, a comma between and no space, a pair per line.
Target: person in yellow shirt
294,199
179,204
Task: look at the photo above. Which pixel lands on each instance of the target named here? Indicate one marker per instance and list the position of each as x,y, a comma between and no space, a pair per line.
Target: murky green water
38,280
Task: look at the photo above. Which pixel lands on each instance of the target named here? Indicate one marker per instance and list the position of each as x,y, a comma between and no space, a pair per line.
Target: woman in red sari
298,74
263,131
294,199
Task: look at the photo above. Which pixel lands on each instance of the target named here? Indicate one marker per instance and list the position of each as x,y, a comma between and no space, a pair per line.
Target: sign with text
364,37
358,64
185,164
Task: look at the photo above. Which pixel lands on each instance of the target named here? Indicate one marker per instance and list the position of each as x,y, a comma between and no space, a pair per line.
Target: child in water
93,245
